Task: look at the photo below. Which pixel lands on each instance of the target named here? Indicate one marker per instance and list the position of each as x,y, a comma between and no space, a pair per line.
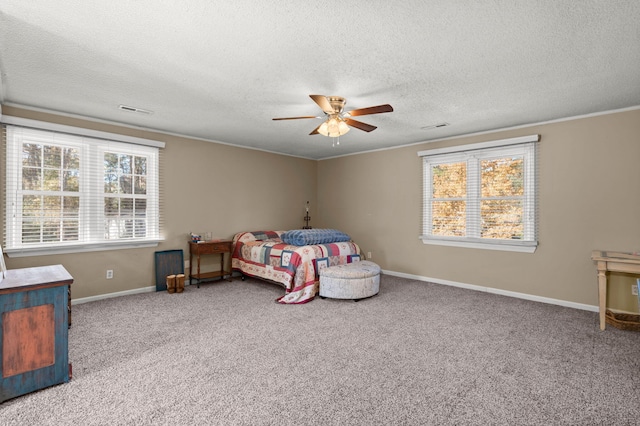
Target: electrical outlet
634,289
368,255
109,274
186,264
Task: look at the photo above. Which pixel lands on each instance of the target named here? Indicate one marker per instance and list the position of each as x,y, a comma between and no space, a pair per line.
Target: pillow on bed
246,237
303,237
265,235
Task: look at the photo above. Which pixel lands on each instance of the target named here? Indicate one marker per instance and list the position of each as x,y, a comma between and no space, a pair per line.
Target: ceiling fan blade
295,118
323,103
371,110
360,125
315,131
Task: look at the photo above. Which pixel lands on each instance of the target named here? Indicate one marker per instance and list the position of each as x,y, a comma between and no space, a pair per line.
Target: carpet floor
416,354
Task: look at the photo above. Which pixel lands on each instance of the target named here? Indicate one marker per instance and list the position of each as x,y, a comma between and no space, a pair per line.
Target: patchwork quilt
263,254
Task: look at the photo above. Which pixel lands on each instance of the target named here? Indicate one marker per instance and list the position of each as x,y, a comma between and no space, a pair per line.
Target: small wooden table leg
602,293
190,266
198,273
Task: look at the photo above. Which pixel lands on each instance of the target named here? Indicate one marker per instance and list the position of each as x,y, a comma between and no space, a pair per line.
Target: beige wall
589,199
207,187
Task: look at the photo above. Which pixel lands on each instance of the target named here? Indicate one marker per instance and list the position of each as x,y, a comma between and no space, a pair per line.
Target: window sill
502,245
79,248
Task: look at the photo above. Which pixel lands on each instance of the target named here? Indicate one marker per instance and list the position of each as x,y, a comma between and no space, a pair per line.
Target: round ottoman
355,280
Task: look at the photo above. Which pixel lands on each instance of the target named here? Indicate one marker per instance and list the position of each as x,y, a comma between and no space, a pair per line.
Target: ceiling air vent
434,126
134,109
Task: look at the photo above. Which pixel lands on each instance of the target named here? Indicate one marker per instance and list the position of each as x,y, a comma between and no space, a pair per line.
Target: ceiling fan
337,120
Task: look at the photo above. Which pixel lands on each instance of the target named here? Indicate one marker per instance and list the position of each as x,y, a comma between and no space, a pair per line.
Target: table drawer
211,247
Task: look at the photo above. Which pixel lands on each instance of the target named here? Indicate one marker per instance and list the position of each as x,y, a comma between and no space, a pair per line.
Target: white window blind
67,193
481,195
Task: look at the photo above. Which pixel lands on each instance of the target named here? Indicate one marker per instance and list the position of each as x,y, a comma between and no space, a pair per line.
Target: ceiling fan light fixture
333,127
342,128
323,129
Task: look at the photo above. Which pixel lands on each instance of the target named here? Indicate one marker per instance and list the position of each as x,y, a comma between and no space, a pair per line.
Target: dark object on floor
168,262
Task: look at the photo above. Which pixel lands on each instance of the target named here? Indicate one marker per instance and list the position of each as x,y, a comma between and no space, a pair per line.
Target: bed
292,258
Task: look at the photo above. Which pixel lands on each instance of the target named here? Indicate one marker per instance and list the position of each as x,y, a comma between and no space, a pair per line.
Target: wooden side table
205,248
615,262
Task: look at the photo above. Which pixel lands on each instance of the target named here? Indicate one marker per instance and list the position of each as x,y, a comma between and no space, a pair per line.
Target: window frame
92,145
472,155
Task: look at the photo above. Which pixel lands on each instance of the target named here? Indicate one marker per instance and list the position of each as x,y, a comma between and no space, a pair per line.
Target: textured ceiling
221,70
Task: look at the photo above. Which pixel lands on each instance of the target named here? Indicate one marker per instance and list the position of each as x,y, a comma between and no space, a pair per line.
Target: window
125,195
66,193
481,195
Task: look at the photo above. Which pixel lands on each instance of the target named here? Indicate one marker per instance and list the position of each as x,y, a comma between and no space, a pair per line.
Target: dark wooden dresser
34,317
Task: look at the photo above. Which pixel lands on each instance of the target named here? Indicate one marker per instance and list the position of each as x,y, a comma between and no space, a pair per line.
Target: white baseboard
149,289
515,294
474,287
110,295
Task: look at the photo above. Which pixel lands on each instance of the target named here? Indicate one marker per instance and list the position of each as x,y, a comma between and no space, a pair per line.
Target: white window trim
480,150
80,248
522,246
121,142
480,145
97,134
